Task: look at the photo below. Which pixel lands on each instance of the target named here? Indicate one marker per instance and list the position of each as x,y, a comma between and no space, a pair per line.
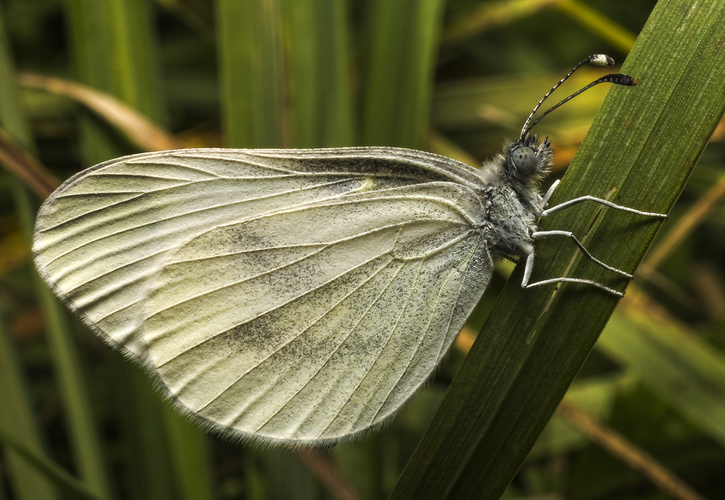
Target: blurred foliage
455,77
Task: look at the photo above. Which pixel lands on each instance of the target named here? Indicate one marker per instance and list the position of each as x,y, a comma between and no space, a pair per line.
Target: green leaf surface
113,51
595,396
285,73
608,30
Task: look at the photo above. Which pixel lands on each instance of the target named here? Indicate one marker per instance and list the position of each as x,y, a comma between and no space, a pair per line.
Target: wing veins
78,195
243,162
323,246
410,360
323,365
271,155
257,154
146,162
137,194
130,304
387,341
154,191
236,283
314,289
137,261
302,332
102,174
330,243
193,212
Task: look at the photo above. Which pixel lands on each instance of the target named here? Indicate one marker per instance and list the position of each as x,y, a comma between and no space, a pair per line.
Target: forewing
315,323
104,236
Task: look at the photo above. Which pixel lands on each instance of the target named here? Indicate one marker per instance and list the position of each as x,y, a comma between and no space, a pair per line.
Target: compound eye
524,160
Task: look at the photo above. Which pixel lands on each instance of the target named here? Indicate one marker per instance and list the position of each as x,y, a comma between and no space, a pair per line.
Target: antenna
599,60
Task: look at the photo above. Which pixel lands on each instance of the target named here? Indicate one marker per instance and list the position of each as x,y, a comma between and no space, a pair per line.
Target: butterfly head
526,159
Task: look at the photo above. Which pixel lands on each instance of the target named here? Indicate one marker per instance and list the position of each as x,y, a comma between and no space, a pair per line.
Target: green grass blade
189,457
85,440
640,152
403,36
197,14
251,67
11,117
89,50
608,30
121,31
489,15
64,482
318,77
134,55
16,413
492,108
80,420
595,396
285,73
677,365
113,51
285,83
147,449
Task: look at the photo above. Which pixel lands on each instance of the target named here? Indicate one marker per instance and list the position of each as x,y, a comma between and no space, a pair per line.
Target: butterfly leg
601,201
543,234
549,192
530,266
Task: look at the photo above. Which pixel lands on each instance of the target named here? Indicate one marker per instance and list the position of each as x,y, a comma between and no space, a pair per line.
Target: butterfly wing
292,296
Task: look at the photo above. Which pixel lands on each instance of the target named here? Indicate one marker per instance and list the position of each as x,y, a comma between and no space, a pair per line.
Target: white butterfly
293,296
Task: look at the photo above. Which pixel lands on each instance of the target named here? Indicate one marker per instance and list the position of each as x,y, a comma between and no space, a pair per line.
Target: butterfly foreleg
601,201
549,192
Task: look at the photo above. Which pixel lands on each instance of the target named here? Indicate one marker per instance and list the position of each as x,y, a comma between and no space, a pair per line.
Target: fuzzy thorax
513,202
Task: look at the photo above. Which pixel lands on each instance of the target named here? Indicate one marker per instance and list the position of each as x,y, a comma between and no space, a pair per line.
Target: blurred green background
456,78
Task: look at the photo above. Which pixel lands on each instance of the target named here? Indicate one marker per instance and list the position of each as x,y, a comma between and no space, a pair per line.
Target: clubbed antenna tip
597,59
